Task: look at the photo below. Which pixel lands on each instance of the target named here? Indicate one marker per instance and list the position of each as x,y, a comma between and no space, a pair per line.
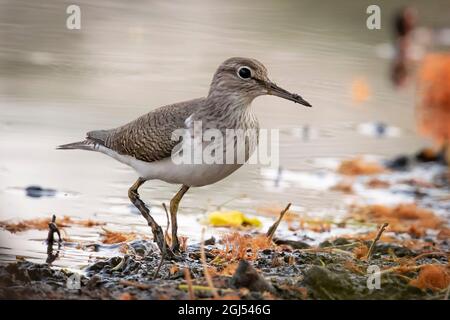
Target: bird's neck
228,111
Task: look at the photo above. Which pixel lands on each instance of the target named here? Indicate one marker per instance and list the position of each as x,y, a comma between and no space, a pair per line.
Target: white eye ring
244,73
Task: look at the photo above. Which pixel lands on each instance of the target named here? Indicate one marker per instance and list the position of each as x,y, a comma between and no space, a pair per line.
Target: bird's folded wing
149,137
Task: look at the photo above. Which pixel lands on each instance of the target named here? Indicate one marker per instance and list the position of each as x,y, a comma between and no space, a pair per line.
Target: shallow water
130,58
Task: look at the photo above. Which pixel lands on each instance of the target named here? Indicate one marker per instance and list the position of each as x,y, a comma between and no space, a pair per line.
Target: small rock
247,277
210,242
292,243
399,163
142,247
427,155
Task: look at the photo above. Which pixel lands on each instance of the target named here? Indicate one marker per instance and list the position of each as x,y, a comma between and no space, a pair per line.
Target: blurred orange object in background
434,97
360,90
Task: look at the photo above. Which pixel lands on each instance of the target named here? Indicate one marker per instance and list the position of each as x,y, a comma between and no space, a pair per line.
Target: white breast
194,175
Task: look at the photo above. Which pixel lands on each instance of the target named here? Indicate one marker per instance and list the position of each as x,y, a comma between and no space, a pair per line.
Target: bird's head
245,79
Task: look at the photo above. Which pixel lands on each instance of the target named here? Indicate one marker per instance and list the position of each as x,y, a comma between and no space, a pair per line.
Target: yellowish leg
173,216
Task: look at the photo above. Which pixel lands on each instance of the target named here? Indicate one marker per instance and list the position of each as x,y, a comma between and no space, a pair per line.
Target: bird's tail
80,145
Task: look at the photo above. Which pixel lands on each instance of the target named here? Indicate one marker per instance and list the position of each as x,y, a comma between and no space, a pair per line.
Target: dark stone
247,277
142,247
399,163
210,242
292,243
387,248
427,155
37,192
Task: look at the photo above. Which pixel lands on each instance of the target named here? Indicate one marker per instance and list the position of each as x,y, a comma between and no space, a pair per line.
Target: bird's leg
173,216
157,231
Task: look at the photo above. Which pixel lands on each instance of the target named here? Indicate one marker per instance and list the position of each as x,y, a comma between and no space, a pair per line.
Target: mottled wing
149,137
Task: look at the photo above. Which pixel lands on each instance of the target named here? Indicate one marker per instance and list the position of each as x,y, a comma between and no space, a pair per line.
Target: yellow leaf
232,219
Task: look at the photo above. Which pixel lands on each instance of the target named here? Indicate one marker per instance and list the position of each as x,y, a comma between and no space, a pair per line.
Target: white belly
193,175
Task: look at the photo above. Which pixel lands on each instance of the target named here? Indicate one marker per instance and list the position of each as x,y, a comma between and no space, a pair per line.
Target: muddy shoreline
328,272
408,260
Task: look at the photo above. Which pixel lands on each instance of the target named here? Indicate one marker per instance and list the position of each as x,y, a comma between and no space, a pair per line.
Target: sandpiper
147,145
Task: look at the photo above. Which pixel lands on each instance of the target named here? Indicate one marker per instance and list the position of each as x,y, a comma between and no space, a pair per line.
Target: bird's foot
160,240
175,245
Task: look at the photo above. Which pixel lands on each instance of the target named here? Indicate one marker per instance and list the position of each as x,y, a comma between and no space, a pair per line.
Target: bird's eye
244,73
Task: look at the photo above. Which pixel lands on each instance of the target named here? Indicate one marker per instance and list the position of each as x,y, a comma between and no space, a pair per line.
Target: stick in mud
135,284
205,266
163,254
274,227
378,236
187,277
52,228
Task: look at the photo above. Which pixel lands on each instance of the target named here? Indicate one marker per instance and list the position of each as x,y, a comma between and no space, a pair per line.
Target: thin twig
327,249
348,245
378,236
205,267
200,288
274,227
52,229
135,284
163,255
187,277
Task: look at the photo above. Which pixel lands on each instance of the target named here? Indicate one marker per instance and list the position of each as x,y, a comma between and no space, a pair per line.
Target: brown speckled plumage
148,138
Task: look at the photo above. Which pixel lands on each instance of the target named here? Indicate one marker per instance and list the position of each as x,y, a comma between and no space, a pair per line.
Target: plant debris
110,237
42,224
359,166
434,277
343,186
406,218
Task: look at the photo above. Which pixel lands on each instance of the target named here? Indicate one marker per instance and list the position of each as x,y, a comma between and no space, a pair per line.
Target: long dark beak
275,90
